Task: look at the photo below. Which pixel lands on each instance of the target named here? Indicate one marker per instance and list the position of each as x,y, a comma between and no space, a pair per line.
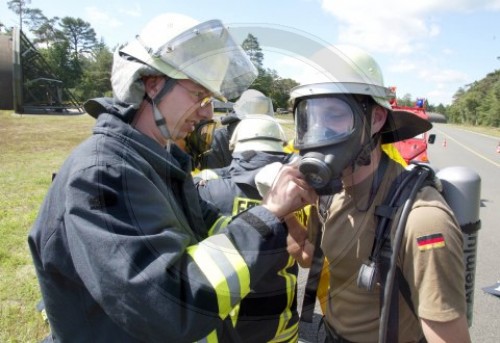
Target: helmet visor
322,120
208,55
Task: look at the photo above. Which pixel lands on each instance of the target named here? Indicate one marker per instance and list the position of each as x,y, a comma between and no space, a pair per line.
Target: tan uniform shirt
431,259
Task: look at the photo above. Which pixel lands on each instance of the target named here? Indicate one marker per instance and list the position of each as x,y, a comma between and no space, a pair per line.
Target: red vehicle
414,149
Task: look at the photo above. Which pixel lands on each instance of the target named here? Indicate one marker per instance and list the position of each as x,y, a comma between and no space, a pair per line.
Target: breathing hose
389,285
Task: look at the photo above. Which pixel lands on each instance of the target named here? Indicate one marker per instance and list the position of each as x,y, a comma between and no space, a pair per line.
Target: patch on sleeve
430,242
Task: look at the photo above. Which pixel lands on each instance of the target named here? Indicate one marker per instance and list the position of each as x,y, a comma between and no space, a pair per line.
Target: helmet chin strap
160,121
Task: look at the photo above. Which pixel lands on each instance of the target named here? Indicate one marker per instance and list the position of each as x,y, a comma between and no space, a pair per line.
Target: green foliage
280,92
268,81
95,80
19,8
68,71
84,65
47,32
253,50
479,104
79,34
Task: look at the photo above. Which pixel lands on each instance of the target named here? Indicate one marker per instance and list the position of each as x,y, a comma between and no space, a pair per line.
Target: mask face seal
329,136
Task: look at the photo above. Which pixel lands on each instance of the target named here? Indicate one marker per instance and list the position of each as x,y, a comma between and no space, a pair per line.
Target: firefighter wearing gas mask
340,127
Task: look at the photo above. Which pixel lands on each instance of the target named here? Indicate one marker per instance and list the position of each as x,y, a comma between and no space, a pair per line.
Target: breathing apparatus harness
382,264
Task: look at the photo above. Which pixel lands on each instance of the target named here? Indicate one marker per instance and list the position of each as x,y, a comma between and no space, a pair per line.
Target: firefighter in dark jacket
257,141
250,102
124,249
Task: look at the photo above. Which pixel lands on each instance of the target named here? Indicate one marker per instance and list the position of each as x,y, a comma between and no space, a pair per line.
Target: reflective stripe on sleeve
286,332
219,224
226,270
211,338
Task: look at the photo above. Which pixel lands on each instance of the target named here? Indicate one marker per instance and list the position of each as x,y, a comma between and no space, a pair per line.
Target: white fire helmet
181,48
354,72
252,101
258,132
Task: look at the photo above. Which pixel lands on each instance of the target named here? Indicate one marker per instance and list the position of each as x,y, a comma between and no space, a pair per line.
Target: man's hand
289,192
298,246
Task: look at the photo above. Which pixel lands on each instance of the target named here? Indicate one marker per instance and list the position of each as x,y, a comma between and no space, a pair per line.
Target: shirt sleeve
433,259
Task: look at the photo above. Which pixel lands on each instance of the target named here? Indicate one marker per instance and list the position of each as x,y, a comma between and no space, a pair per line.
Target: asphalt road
456,147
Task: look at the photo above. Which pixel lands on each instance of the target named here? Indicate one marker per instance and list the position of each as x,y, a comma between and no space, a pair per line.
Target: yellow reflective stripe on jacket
219,224
211,338
283,332
303,214
288,338
225,269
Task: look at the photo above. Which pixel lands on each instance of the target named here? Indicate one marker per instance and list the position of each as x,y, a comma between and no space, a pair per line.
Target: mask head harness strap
363,157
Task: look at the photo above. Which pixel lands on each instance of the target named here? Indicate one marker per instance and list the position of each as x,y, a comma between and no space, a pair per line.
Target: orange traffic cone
444,143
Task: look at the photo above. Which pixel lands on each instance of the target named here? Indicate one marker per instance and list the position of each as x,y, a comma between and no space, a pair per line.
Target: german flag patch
430,242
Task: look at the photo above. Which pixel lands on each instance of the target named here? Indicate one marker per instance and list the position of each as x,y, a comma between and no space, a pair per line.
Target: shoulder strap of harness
314,275
385,253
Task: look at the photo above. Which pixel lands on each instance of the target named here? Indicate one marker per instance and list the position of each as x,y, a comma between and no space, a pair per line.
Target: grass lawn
32,147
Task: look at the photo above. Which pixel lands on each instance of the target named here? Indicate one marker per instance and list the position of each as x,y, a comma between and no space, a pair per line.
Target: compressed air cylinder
462,191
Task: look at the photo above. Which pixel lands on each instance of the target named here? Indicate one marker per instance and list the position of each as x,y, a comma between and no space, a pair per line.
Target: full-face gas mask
331,134
198,143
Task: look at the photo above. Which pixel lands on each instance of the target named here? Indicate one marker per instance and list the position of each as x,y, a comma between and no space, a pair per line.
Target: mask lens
323,120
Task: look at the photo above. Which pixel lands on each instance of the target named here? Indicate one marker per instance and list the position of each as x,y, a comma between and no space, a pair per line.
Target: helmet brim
259,145
401,125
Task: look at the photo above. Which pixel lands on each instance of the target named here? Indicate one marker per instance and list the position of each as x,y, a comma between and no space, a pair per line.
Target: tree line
69,45
477,103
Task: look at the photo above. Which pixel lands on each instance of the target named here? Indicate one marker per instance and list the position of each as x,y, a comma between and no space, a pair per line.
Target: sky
425,48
